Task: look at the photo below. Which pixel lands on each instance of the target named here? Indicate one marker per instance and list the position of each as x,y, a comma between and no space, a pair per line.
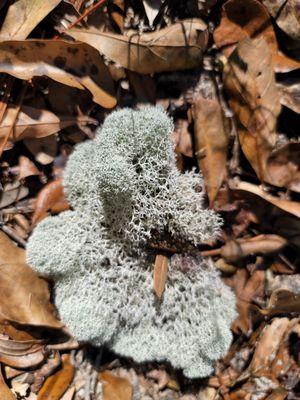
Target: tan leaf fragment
152,8
57,384
23,16
250,83
179,46
160,274
211,143
9,251
115,387
26,168
73,64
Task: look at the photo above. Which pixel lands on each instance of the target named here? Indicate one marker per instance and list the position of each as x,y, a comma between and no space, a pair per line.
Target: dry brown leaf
114,387
23,16
56,385
250,83
73,64
179,46
11,193
25,297
292,207
286,14
9,251
37,123
211,143
43,149
50,198
290,94
249,19
5,392
26,168
160,274
21,354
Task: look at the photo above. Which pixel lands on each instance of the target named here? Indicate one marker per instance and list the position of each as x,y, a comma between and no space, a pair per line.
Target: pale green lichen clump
124,186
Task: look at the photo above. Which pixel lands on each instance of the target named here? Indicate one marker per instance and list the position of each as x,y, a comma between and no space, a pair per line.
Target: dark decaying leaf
73,64
179,46
250,83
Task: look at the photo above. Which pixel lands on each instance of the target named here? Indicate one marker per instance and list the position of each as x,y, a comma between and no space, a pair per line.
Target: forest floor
227,72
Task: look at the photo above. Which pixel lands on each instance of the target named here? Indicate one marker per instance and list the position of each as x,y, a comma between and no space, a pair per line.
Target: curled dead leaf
50,198
73,64
176,47
21,354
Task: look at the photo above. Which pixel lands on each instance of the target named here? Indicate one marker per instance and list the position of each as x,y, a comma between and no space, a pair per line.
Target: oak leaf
73,64
179,46
115,387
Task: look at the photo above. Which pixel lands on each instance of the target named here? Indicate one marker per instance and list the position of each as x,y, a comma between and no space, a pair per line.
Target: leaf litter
227,72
